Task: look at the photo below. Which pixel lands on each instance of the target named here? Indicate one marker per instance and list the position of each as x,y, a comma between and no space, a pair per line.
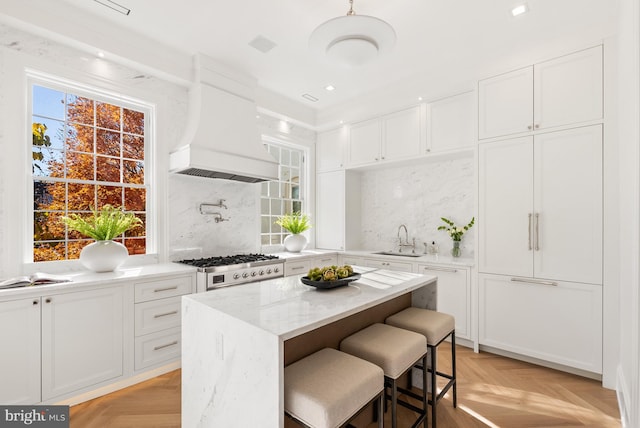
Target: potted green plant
103,225
296,223
456,233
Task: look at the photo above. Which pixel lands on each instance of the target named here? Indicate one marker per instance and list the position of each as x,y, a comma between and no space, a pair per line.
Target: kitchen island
237,340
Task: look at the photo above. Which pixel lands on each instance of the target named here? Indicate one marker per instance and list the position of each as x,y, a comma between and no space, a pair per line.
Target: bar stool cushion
393,349
328,387
435,326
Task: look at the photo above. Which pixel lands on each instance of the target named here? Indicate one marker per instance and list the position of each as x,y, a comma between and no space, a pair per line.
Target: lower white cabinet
20,355
297,267
325,260
346,259
390,265
555,321
454,294
82,339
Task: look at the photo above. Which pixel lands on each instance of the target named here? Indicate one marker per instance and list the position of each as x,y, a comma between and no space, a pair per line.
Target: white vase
295,243
103,256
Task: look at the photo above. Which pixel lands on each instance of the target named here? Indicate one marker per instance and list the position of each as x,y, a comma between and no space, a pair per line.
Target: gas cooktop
213,264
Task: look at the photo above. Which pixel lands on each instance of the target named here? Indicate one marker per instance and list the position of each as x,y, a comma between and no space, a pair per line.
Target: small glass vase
456,251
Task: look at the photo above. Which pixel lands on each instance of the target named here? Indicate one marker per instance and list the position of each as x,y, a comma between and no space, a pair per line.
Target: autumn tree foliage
102,162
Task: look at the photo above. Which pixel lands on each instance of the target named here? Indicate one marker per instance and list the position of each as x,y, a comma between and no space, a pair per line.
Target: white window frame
34,77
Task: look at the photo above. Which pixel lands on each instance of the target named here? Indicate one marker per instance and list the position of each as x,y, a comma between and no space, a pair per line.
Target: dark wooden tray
330,284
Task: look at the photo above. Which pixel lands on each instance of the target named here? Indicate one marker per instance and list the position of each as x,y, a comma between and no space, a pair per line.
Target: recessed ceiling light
100,54
115,6
309,97
519,10
330,87
419,98
341,122
262,44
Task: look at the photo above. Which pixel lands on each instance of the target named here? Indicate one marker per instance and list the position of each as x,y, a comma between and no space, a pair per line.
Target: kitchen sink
396,253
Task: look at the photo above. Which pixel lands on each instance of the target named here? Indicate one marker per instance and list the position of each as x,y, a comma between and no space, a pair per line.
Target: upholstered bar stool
436,327
329,388
396,351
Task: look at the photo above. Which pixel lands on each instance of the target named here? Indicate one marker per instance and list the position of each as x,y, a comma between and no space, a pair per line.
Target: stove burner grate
228,260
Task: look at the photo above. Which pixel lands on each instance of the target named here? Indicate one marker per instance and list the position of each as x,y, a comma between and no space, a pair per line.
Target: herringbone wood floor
493,391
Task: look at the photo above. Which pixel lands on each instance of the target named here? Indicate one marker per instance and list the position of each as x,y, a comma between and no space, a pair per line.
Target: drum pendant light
352,40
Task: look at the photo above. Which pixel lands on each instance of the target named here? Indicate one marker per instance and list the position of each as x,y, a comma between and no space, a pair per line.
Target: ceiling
437,40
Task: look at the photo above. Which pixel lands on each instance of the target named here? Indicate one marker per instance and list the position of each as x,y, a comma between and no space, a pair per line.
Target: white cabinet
451,123
157,320
396,136
562,91
82,340
330,148
330,210
326,260
297,267
346,259
540,204
454,294
389,265
20,355
555,321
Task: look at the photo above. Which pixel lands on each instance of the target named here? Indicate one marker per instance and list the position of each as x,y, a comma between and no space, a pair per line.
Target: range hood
222,138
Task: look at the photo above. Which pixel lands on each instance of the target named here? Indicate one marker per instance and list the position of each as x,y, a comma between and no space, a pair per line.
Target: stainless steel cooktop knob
268,271
261,273
236,275
245,275
276,270
254,273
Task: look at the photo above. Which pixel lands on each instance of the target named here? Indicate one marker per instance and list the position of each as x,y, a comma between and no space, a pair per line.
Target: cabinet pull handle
537,126
48,300
441,269
534,281
529,127
537,231
297,267
35,302
157,348
158,290
166,314
529,229
326,260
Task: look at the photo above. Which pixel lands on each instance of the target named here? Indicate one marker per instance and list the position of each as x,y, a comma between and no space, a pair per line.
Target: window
282,196
87,153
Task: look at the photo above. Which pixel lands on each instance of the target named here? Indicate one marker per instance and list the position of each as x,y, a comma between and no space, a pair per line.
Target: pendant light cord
351,11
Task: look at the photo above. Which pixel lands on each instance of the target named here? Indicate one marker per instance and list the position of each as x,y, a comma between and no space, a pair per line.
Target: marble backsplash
193,235
418,196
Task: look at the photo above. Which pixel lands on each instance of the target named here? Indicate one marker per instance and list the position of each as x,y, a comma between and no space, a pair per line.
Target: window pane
107,169
48,196
264,189
138,231
133,172
285,157
47,162
297,206
265,224
264,206
264,240
80,110
46,251
74,248
132,147
48,102
109,195
81,197
274,189
47,226
136,245
133,122
276,240
135,199
107,116
47,133
276,207
295,159
107,143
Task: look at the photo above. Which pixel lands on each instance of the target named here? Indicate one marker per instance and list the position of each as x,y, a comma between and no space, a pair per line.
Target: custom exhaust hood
222,138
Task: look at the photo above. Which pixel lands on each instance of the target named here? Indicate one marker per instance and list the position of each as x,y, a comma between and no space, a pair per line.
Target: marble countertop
84,278
287,308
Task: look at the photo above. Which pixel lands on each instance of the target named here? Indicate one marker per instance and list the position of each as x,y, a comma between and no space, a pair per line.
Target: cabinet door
559,323
326,260
568,205
451,123
389,265
82,340
330,209
330,149
506,207
364,142
453,295
569,89
506,104
403,134
20,355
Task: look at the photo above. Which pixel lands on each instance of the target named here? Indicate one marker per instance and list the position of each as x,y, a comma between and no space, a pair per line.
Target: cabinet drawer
384,264
297,268
351,260
157,348
328,260
157,315
159,289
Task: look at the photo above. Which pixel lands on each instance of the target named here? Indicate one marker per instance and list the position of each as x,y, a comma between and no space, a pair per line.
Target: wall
417,196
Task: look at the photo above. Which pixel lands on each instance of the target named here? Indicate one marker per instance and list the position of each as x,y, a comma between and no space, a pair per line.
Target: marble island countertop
234,339
286,308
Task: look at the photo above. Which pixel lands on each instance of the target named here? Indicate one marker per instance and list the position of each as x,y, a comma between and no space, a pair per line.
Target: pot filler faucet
406,240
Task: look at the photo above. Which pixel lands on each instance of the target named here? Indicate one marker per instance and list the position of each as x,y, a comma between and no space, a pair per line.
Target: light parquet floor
493,391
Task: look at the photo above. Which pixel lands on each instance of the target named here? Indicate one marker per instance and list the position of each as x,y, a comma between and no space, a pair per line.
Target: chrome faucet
406,240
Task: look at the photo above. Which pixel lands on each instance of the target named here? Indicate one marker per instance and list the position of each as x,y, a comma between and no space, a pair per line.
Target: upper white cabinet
540,206
330,210
330,149
451,123
563,91
399,135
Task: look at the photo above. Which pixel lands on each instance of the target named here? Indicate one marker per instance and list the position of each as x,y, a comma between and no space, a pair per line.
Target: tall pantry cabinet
540,217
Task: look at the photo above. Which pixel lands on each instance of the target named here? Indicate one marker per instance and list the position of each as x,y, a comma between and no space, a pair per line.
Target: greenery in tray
103,225
330,273
294,222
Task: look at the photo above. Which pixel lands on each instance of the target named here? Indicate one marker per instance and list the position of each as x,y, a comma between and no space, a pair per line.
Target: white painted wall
628,386
418,196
